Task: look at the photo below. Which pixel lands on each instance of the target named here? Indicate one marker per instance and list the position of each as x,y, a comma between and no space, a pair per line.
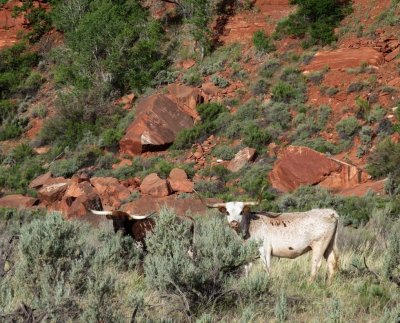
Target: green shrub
376,115
254,178
392,260
192,78
355,87
366,135
279,113
70,271
255,137
316,78
209,116
111,137
314,20
347,128
283,92
384,159
210,188
262,43
260,87
219,81
270,68
197,281
224,152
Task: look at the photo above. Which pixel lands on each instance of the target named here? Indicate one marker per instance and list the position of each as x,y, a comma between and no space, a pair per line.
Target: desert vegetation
71,82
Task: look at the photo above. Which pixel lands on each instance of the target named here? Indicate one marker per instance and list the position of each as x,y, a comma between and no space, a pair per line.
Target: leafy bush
260,87
347,128
283,92
208,113
315,20
219,81
70,271
262,43
392,260
255,136
384,159
279,113
224,152
269,68
355,87
124,53
198,281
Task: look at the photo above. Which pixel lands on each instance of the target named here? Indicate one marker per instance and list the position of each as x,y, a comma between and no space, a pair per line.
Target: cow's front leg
265,255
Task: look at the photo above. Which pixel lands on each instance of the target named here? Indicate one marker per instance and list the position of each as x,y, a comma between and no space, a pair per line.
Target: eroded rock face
179,181
18,201
155,186
149,204
53,190
345,58
157,122
303,166
111,191
40,180
241,159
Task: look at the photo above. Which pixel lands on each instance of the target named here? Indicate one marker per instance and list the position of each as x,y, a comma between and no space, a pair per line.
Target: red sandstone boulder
179,181
154,185
18,201
241,159
111,191
53,190
149,204
157,122
345,58
40,180
187,98
303,166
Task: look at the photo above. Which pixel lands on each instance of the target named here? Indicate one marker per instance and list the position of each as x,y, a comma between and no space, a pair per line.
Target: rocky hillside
223,97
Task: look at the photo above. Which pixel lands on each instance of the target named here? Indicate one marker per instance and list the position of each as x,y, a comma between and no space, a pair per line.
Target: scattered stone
241,159
155,186
53,192
40,180
111,191
18,201
179,181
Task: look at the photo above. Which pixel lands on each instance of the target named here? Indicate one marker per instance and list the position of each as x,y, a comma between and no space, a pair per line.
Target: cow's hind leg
318,250
265,255
332,258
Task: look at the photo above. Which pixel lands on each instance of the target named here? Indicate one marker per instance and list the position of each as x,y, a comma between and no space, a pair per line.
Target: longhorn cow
136,226
287,235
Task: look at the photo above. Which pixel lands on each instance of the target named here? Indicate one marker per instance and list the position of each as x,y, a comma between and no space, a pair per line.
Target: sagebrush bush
70,271
347,128
224,152
384,159
262,42
200,280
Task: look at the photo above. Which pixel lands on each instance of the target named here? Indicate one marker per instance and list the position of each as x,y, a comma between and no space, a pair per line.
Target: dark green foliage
256,137
347,128
224,152
208,113
81,112
125,52
270,68
197,281
260,87
219,81
355,87
253,179
314,20
279,113
15,68
283,92
384,159
392,260
262,42
219,171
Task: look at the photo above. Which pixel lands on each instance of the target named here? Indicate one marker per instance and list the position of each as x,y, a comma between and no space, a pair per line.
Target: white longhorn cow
288,235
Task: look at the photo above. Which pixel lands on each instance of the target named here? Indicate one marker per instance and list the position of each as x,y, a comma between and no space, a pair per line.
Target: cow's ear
246,210
222,209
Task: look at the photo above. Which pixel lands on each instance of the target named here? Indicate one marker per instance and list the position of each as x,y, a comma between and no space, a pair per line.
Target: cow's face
235,212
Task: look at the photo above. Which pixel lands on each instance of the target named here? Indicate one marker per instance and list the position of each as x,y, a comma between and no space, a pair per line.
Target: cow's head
237,214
